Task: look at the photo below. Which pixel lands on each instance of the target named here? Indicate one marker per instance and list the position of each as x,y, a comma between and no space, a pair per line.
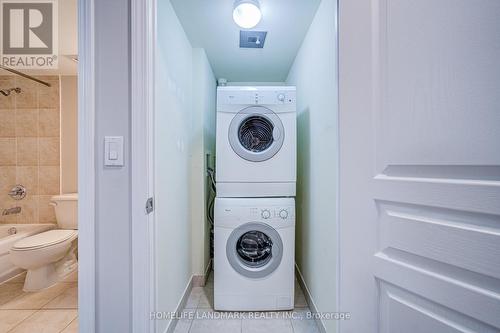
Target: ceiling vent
252,39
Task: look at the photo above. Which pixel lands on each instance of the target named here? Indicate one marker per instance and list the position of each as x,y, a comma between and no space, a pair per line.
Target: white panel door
420,165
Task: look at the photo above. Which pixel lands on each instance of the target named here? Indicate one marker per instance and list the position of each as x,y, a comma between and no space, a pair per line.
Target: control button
265,214
284,214
281,97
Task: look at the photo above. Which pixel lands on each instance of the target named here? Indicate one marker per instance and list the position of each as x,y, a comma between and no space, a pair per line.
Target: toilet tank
66,208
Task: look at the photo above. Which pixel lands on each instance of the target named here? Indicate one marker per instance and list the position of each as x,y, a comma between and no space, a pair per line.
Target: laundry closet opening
249,115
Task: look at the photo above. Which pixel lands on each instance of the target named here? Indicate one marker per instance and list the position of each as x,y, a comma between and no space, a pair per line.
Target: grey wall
113,239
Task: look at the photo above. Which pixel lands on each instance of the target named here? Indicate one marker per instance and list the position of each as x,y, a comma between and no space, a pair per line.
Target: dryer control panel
256,96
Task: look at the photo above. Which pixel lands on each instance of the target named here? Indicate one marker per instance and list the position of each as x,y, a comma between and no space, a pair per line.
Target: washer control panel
272,213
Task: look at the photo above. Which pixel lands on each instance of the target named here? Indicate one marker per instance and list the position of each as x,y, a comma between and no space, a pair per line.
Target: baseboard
207,271
309,299
201,280
181,305
194,281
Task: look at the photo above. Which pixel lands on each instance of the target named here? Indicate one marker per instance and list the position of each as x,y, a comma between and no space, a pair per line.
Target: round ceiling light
247,13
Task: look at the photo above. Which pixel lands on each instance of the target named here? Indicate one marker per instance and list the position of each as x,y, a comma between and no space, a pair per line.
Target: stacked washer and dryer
254,217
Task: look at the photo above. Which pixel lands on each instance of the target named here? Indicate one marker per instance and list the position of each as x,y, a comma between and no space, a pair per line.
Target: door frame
142,53
86,167
143,38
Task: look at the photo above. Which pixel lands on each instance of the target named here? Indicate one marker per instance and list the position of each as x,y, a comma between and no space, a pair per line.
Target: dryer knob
284,214
265,214
281,97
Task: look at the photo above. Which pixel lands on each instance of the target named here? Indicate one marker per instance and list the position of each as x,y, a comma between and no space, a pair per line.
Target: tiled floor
200,315
53,310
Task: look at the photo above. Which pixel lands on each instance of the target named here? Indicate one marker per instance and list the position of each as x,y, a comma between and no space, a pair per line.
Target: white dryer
254,254
256,141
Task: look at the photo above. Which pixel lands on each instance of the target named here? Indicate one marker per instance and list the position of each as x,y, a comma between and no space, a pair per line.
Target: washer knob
265,214
281,97
284,214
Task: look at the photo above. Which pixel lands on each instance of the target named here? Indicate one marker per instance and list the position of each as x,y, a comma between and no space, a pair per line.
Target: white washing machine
256,141
254,254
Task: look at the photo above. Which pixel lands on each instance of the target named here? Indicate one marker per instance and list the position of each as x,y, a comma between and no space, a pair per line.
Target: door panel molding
419,165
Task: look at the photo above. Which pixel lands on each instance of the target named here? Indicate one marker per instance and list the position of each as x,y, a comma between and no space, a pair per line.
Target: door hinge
149,205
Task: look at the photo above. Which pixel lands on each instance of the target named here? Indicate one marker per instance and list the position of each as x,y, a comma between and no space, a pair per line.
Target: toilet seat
45,239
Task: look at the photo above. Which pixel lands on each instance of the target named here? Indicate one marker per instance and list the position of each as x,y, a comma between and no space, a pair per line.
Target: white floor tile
215,326
206,299
274,323
300,299
193,300
302,323
183,326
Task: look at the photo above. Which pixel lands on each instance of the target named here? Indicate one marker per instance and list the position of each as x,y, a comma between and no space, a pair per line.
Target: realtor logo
29,34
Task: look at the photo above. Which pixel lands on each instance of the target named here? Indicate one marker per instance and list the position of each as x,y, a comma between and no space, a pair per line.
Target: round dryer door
256,134
254,249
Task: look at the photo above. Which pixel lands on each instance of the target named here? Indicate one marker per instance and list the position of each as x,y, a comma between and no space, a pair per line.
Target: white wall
203,143
314,73
185,132
173,133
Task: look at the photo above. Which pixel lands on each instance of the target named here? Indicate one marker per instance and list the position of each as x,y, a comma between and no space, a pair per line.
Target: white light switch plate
113,151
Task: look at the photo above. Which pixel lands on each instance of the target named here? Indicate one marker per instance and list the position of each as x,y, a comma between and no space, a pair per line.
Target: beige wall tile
69,134
7,202
27,151
30,147
29,210
28,98
48,151
28,177
7,178
7,82
48,180
27,122
7,123
9,219
48,97
7,151
49,124
46,213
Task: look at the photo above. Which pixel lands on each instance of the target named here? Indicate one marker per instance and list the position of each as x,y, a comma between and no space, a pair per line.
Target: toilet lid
45,239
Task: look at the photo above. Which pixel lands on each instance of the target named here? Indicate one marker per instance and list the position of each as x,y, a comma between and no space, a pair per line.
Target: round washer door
254,250
256,134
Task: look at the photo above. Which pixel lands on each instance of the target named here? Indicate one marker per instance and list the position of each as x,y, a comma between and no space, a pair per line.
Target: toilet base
46,276
41,278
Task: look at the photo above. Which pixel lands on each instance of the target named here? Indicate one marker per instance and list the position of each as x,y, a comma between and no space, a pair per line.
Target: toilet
51,255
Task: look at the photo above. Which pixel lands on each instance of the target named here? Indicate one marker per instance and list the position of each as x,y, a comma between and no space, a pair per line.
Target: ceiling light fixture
247,13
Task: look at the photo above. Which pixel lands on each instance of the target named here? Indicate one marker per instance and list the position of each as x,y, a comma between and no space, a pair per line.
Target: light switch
113,151
113,154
